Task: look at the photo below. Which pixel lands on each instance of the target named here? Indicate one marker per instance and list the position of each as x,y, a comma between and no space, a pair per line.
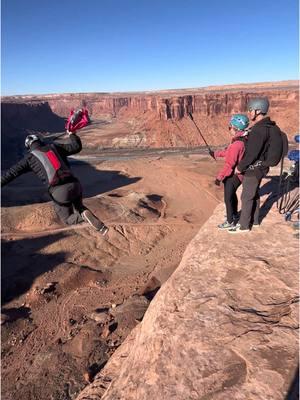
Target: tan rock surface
224,326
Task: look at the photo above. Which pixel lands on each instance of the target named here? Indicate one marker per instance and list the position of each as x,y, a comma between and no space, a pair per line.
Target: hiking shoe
238,229
89,217
103,230
226,225
235,217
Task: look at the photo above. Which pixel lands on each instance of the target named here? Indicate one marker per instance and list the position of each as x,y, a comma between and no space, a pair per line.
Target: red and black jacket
45,161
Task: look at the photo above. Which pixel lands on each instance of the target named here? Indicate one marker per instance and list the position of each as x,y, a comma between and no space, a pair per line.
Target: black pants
250,201
67,202
231,185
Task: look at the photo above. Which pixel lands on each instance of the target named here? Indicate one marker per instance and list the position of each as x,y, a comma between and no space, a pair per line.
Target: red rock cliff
162,115
172,103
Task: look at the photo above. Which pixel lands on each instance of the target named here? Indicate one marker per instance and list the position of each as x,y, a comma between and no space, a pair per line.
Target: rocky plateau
166,306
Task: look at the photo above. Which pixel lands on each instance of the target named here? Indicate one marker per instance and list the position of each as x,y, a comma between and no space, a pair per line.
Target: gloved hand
211,153
217,182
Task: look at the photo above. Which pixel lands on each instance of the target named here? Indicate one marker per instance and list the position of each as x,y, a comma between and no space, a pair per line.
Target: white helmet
30,139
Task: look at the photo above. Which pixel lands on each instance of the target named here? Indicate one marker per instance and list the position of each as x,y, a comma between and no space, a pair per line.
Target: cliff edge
224,326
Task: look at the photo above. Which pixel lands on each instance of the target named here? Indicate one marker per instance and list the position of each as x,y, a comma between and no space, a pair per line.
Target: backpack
276,147
56,169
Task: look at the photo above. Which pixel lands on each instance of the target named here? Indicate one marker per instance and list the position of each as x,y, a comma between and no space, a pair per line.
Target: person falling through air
49,162
233,154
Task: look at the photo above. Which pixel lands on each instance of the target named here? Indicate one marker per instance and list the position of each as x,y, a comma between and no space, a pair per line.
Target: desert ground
69,296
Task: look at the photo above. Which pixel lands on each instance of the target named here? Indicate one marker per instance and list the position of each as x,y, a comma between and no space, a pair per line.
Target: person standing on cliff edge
265,147
233,154
49,162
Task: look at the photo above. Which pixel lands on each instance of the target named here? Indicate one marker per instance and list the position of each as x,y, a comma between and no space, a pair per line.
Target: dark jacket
256,147
31,163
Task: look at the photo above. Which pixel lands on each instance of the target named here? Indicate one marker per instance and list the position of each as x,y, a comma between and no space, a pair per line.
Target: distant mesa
146,119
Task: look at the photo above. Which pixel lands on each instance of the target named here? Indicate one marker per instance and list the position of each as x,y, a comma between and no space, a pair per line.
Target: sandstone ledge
224,326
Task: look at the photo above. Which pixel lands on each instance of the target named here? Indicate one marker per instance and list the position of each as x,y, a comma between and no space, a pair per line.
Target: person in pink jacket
233,155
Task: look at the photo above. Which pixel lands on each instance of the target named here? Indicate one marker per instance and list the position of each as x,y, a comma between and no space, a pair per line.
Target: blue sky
130,45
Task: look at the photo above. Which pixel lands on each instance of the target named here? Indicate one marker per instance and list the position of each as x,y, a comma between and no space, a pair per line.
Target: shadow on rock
22,263
13,313
20,119
293,393
277,192
28,189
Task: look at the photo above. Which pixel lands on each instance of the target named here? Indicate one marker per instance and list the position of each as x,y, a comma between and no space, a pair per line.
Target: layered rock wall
166,106
161,118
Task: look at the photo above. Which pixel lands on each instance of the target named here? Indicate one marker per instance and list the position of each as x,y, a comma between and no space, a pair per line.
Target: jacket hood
239,134
265,122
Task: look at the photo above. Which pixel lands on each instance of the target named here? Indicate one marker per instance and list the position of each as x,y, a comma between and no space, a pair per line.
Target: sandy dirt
69,296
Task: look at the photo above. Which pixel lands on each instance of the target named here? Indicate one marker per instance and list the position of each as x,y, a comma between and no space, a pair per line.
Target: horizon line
289,82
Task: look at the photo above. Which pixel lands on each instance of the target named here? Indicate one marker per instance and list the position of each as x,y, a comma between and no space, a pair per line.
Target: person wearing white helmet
49,162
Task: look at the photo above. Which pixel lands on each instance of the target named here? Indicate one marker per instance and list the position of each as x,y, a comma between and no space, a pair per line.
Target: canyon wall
18,119
160,118
169,104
